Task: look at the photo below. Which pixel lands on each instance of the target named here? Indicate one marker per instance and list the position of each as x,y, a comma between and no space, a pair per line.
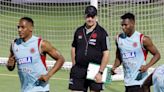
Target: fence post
94,3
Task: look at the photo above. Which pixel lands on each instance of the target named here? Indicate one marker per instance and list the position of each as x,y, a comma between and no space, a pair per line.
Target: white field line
14,75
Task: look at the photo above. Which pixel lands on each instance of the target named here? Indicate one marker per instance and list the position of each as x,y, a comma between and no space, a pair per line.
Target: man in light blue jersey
132,49
29,53
156,79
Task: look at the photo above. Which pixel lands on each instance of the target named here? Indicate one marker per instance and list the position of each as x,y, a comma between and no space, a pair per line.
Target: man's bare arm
73,55
149,46
104,62
117,62
46,47
11,61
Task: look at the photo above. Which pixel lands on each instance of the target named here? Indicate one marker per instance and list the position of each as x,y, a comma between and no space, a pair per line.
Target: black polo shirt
89,47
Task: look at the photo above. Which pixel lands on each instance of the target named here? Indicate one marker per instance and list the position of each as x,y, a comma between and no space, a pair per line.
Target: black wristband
100,72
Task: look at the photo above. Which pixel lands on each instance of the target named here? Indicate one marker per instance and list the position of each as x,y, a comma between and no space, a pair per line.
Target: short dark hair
91,11
28,19
128,16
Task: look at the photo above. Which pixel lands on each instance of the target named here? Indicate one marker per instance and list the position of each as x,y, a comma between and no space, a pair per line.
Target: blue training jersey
158,79
31,64
133,55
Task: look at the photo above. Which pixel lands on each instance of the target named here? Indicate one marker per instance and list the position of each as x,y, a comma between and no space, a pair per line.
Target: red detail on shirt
32,50
42,56
145,52
94,35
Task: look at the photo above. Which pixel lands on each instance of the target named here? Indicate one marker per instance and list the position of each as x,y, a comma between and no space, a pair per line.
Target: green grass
58,83
9,81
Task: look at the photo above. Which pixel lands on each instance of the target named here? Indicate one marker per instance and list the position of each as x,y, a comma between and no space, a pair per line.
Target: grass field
9,81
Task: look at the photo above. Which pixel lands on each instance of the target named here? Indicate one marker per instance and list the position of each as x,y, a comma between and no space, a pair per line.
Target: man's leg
94,91
95,87
135,88
147,83
77,85
158,79
77,79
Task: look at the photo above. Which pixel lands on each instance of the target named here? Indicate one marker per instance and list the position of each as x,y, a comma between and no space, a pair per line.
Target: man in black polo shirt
90,45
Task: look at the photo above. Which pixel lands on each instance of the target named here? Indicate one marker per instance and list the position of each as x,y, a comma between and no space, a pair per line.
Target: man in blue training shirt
29,53
156,79
132,49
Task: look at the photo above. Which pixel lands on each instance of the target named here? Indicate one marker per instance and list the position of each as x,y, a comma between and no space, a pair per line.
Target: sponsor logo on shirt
25,69
92,41
24,60
71,81
80,36
128,55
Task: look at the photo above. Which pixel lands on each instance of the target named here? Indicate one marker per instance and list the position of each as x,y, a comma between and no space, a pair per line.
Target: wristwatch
100,72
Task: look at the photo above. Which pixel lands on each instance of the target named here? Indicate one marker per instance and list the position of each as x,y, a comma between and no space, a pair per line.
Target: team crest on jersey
94,35
135,44
32,50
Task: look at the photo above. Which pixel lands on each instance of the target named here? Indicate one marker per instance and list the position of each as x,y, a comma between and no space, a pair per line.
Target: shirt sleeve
74,42
105,43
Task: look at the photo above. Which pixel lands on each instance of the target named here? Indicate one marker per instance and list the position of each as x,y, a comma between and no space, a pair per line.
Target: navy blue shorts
135,88
78,81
